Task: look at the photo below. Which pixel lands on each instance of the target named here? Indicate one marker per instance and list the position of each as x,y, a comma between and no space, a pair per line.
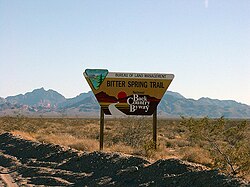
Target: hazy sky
49,43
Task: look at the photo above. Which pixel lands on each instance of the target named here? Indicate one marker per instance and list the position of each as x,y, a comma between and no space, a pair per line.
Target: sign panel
127,93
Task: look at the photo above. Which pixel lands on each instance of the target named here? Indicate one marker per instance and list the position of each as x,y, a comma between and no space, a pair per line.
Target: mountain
2,100
38,97
51,103
174,104
72,101
175,94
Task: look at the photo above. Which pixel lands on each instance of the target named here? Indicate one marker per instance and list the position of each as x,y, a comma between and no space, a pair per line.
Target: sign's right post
155,128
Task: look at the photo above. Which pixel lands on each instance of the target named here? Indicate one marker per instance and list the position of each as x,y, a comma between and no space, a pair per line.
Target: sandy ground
36,164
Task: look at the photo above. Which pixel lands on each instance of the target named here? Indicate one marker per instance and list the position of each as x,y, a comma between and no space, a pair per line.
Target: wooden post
155,128
101,128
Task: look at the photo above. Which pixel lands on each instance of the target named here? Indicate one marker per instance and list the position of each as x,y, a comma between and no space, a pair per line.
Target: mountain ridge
37,97
51,103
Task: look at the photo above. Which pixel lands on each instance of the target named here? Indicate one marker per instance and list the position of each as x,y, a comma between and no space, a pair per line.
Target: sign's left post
101,128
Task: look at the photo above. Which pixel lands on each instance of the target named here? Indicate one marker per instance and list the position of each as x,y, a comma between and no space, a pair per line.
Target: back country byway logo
137,102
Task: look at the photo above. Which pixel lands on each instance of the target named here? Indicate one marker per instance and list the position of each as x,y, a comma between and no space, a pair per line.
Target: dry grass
130,135
198,155
126,135
25,135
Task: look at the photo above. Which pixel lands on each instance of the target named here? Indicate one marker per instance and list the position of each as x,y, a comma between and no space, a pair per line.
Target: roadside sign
127,93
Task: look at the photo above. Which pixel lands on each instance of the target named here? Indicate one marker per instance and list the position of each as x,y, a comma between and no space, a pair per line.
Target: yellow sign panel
127,93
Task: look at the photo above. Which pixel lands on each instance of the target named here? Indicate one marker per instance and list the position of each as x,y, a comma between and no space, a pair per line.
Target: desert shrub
149,148
227,143
132,132
169,144
197,155
182,143
85,145
120,147
135,132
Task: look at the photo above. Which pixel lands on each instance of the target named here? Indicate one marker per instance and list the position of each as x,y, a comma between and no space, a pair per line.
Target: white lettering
137,102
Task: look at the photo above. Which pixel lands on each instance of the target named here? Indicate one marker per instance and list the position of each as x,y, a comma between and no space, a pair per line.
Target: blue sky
205,43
